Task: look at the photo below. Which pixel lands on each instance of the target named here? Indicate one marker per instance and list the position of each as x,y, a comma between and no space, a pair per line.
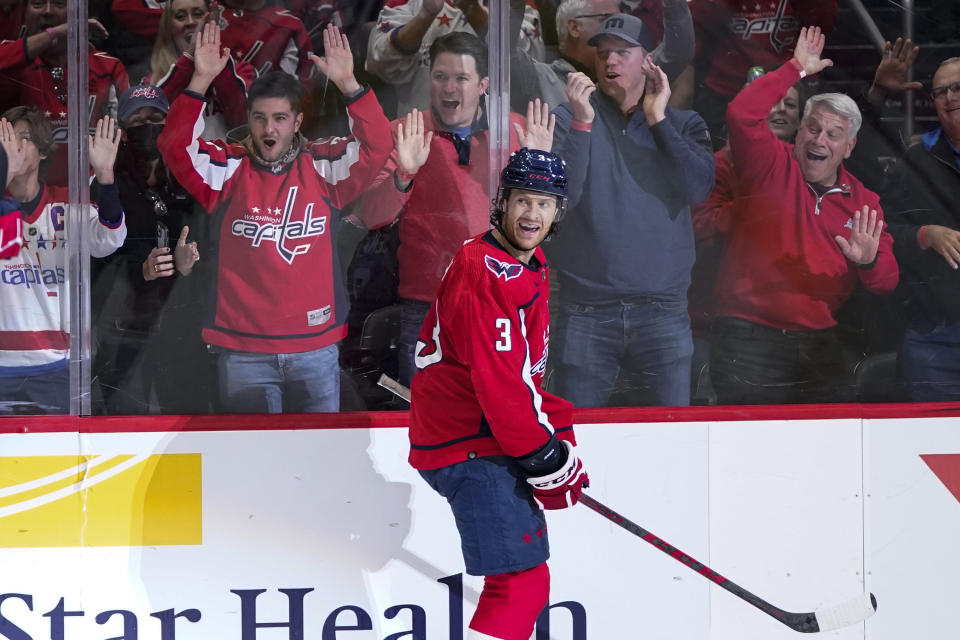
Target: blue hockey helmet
535,170
532,170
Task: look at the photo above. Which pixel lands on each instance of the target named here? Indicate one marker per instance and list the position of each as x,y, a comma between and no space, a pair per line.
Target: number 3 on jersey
503,342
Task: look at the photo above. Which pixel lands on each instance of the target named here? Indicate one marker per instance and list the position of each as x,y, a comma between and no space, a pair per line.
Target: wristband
400,175
579,125
799,68
54,38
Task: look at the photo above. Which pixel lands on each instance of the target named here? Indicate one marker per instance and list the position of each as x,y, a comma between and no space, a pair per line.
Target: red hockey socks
510,603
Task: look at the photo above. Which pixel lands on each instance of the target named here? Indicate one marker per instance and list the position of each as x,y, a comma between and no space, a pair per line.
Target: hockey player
482,432
279,307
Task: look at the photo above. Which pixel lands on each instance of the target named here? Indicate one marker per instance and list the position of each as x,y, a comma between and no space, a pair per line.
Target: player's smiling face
527,220
186,18
455,89
273,125
823,142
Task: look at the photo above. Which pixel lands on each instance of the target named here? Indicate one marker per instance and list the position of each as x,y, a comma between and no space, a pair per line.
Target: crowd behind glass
760,202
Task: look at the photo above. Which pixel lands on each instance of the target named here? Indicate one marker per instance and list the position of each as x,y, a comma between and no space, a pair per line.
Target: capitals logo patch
504,269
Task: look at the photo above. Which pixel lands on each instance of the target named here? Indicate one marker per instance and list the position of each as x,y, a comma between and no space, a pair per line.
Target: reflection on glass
226,279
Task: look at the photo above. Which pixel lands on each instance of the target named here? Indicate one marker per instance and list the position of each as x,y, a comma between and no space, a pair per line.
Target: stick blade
846,614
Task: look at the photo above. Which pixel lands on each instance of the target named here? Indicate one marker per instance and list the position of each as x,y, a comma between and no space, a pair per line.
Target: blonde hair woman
172,66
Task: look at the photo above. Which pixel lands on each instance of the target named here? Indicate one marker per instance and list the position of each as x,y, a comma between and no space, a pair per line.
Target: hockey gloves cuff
562,488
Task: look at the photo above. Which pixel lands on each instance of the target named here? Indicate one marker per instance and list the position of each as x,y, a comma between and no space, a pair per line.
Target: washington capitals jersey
734,35
45,86
277,287
481,357
270,39
34,305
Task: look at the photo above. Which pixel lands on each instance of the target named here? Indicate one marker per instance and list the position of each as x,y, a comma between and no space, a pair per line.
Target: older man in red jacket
803,233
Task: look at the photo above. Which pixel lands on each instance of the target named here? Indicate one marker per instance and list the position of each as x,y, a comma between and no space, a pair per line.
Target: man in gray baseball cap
635,166
577,22
625,27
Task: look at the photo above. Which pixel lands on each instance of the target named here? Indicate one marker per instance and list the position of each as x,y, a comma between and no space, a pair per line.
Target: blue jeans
929,363
412,315
645,338
307,382
47,390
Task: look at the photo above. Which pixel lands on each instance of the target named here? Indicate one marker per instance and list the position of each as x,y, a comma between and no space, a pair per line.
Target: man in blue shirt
635,166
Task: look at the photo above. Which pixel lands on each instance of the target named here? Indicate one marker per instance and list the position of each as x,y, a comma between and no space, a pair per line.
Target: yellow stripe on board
119,500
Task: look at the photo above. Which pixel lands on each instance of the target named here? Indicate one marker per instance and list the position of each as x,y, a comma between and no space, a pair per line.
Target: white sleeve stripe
162,81
17,239
333,171
290,62
542,417
421,361
214,175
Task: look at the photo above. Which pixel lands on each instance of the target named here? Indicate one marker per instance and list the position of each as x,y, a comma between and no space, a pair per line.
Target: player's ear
297,122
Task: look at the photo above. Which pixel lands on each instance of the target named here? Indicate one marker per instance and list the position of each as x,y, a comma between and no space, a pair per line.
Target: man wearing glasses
925,223
577,22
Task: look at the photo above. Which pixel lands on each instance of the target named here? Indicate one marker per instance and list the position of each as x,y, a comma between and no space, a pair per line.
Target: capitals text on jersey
280,232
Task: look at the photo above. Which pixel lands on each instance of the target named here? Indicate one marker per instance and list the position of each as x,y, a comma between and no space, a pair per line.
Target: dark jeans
754,364
929,363
48,392
646,338
412,314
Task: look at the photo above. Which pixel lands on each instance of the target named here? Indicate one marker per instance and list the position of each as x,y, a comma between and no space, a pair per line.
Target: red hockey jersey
141,17
481,357
270,39
45,86
733,36
278,286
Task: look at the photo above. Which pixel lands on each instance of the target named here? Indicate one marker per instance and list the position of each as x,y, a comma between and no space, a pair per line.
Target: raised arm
385,198
394,45
209,59
12,158
688,152
571,138
106,230
337,61
675,53
348,166
754,146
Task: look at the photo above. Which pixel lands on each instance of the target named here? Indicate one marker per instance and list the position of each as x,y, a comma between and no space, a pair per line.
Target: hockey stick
856,610
394,387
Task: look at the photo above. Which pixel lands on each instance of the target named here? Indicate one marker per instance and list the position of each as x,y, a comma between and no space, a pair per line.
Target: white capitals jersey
34,301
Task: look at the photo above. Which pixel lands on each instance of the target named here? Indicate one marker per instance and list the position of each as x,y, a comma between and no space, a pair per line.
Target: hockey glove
562,488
